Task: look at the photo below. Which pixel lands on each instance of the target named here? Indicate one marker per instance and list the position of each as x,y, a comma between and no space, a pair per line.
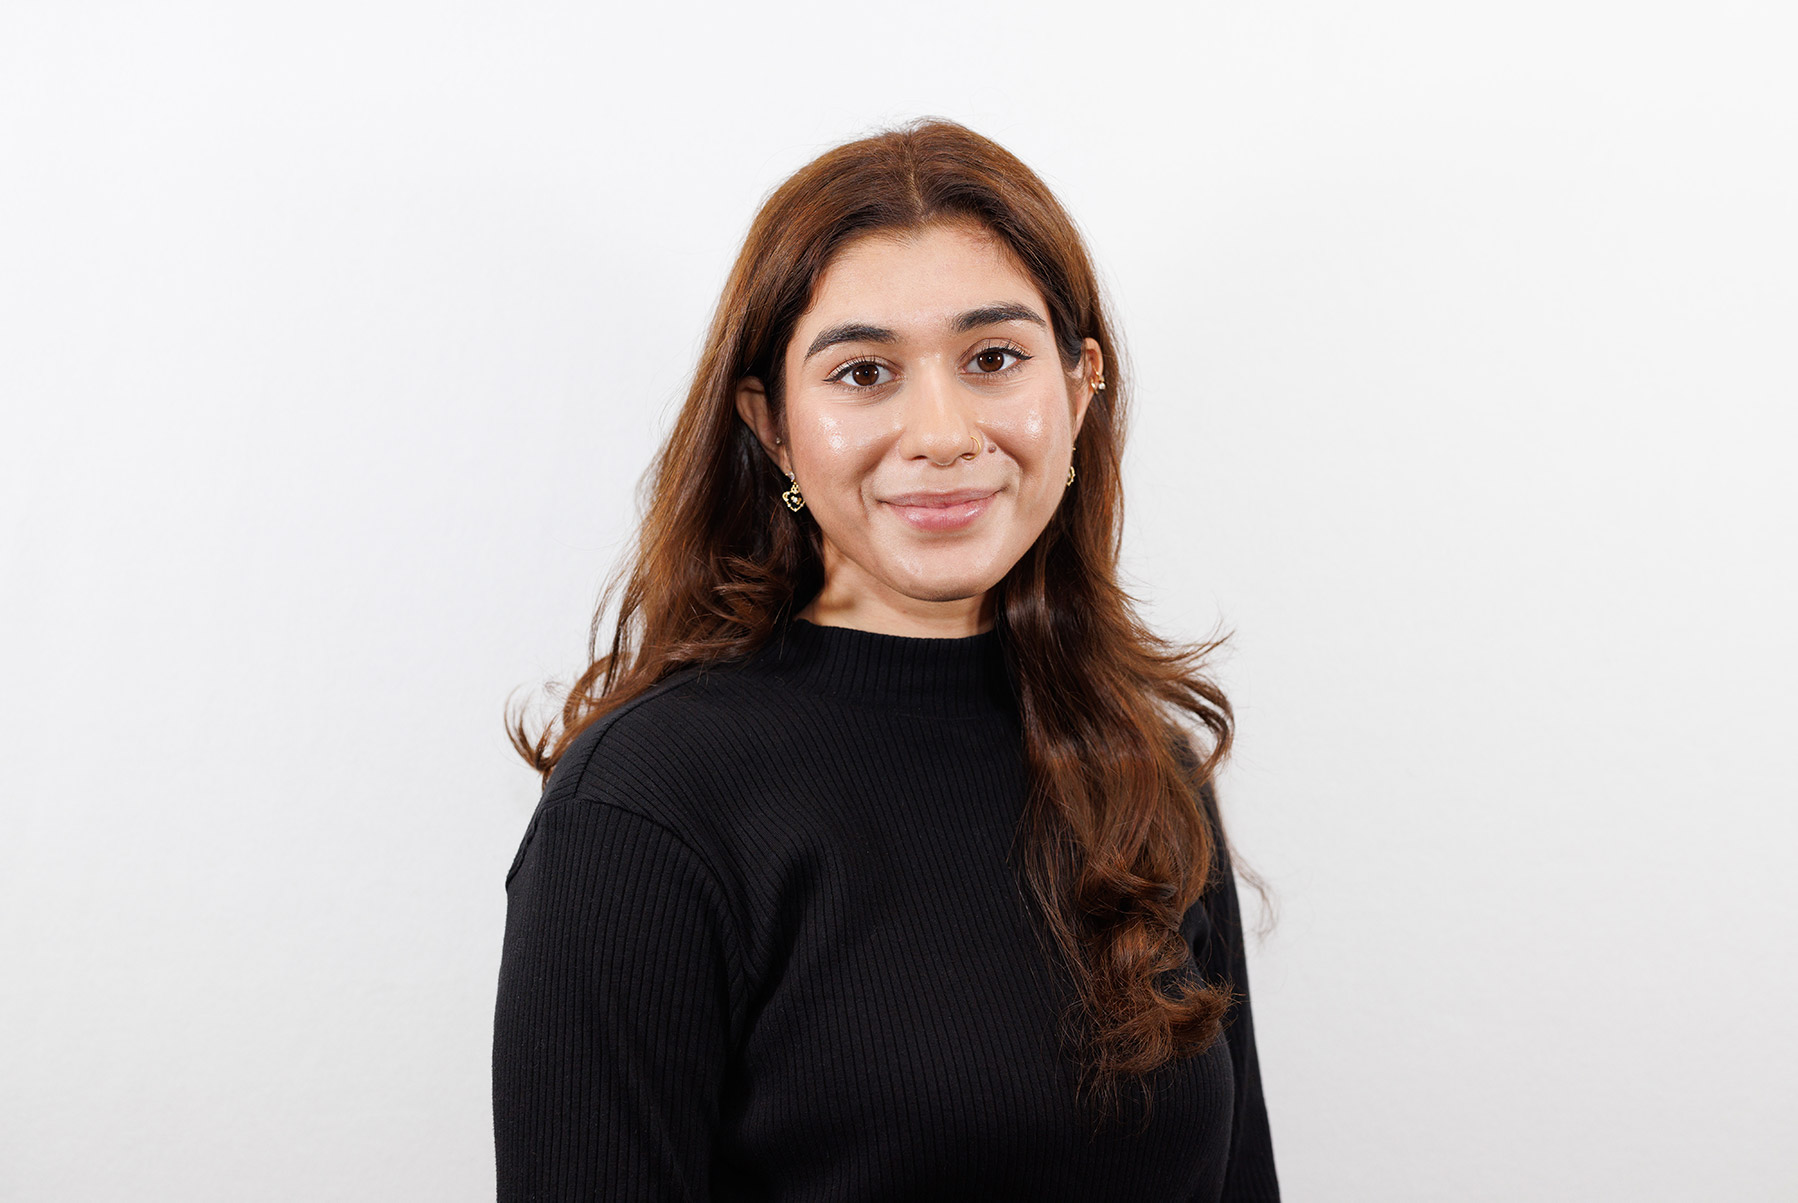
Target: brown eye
990,361
863,375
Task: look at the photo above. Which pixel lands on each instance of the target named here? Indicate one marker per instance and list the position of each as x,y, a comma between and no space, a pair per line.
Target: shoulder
639,760
653,752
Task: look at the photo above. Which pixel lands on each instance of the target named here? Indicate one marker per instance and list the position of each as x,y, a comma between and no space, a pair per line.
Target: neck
934,620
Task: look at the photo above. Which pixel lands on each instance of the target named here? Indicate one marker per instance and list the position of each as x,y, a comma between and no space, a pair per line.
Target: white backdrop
335,337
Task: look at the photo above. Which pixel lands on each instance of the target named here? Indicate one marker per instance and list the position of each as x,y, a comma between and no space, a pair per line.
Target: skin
871,419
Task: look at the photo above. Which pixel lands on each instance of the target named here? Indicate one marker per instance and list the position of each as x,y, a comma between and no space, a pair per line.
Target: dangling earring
794,501
1071,467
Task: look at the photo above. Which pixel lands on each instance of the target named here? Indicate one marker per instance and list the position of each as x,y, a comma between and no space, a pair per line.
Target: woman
872,862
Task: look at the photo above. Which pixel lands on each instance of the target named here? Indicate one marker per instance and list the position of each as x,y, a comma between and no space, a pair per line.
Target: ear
752,407
1090,368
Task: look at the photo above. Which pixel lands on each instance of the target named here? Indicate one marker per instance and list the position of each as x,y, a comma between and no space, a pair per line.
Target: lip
947,511
947,497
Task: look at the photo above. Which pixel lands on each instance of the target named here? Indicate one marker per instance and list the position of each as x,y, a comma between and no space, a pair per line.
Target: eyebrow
973,319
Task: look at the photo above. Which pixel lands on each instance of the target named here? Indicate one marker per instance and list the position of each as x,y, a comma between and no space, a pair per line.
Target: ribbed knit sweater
765,939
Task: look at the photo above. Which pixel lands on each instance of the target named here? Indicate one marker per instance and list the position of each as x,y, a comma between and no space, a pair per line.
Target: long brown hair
1118,844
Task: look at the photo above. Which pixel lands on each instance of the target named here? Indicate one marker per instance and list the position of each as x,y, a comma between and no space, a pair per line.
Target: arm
612,1025
1250,1177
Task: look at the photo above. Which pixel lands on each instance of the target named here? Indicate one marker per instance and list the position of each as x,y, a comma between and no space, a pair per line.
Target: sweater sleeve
1250,1177
612,1024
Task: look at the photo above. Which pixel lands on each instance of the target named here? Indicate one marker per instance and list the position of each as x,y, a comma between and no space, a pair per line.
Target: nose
939,418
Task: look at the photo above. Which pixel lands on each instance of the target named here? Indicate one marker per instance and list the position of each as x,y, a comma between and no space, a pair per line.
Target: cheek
1033,430
842,471
820,433
832,450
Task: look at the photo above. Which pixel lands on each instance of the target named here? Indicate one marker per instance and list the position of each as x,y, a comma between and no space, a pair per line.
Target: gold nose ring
976,440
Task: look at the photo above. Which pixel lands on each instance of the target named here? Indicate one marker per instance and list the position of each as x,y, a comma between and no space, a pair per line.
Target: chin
958,589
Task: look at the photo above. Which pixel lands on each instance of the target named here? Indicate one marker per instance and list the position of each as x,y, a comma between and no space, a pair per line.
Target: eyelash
1015,352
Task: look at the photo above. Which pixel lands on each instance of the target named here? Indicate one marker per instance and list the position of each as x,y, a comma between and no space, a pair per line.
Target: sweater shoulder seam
678,680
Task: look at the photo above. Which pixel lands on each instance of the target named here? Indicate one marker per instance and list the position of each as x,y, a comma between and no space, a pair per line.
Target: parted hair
1121,729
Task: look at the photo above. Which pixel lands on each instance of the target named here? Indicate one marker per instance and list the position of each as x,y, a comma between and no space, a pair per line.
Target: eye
990,361
863,373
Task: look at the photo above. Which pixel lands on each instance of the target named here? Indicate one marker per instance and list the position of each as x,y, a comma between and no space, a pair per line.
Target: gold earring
794,501
1070,469
1098,384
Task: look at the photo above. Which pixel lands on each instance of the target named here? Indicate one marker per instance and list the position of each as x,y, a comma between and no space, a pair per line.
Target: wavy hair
1118,842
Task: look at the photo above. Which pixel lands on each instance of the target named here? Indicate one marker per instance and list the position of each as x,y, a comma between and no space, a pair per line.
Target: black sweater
763,942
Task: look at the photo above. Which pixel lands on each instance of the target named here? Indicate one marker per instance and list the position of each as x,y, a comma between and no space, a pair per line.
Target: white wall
333,341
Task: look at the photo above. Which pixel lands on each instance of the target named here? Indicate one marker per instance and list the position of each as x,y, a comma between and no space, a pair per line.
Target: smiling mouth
933,500
942,511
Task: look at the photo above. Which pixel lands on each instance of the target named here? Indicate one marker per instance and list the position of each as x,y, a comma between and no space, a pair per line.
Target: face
929,424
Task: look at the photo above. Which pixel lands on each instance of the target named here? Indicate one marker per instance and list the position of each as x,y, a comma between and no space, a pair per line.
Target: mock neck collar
948,677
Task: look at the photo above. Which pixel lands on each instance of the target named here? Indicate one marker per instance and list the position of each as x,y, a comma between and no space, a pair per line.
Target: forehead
915,281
